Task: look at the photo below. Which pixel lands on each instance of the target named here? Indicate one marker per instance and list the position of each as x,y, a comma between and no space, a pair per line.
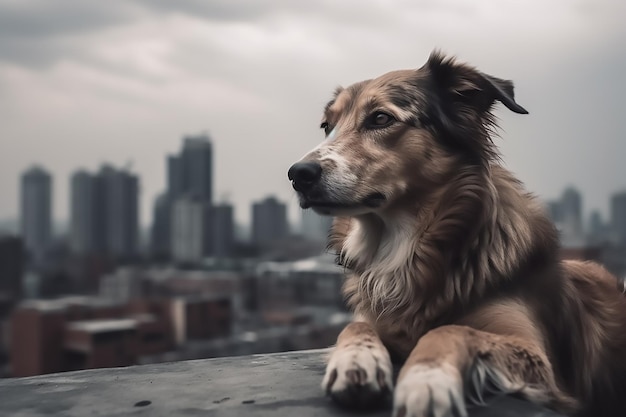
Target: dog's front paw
359,376
426,391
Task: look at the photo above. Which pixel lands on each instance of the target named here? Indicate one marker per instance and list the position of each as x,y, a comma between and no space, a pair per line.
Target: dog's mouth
329,207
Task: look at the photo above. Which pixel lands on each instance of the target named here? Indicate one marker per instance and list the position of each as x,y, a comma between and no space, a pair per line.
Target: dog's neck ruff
419,263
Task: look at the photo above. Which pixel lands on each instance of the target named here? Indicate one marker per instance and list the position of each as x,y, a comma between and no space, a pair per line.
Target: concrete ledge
282,384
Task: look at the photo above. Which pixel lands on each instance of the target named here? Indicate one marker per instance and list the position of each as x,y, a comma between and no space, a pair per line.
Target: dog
452,267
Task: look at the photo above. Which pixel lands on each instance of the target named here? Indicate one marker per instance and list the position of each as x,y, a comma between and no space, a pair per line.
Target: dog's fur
452,267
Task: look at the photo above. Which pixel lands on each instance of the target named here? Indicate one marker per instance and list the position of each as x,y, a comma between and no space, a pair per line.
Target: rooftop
280,384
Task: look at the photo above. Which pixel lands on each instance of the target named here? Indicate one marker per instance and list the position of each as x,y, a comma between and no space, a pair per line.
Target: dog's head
403,134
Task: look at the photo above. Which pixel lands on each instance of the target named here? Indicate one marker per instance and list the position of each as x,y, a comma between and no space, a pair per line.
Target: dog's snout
304,175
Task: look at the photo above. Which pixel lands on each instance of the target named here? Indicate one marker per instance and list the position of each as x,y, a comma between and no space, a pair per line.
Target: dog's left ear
467,86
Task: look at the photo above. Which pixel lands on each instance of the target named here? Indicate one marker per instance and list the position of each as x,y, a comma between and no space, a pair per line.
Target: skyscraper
598,231
104,212
85,232
314,226
566,213
618,216
269,221
11,264
571,210
191,171
189,175
36,211
160,236
200,230
222,230
120,193
175,178
189,224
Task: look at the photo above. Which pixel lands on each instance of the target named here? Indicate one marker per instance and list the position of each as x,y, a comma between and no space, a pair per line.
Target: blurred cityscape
100,293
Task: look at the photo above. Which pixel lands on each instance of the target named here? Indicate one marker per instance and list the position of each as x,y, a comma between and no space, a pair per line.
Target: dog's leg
451,363
359,372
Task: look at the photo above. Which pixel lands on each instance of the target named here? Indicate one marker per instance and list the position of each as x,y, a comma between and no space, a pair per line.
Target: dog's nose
304,175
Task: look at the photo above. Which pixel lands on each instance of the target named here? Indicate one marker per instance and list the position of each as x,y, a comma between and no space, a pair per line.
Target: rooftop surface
280,384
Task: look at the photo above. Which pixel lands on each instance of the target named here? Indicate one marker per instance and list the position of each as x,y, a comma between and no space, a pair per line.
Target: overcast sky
86,82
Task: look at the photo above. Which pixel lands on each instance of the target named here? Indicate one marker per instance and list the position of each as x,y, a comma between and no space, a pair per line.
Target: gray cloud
41,19
86,82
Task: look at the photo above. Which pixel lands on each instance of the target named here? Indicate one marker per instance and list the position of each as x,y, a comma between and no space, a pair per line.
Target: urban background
98,294
145,211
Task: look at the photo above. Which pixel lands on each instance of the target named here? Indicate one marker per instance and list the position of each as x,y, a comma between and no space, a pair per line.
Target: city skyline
306,219
84,83
186,225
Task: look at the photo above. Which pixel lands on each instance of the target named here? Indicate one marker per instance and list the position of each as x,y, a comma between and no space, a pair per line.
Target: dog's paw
427,391
359,376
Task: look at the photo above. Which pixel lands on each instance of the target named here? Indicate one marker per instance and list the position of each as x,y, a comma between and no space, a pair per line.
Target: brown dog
452,266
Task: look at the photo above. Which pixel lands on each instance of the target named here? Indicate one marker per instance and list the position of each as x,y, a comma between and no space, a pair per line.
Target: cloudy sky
87,82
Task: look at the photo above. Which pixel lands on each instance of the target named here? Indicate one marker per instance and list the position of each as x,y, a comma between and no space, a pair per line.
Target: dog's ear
459,105
467,86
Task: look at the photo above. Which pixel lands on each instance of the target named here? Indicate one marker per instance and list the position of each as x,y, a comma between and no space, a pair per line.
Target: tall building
269,221
598,232
200,230
555,212
314,226
36,212
618,216
222,230
175,177
85,231
104,212
566,213
189,174
571,210
120,193
189,224
161,227
191,171
11,269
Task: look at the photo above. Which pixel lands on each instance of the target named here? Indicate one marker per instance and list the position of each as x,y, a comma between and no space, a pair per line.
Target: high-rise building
104,212
191,171
571,210
120,192
189,174
566,213
85,231
314,226
175,178
36,212
200,230
598,231
618,216
197,160
161,227
269,221
222,230
11,269
189,224
555,212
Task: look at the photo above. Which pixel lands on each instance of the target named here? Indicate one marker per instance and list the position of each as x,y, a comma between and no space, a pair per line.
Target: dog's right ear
459,105
466,86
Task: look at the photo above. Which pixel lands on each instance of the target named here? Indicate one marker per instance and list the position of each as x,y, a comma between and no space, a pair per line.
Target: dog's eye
327,128
379,120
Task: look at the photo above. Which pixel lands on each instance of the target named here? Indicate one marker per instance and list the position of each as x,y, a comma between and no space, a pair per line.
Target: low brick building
80,332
